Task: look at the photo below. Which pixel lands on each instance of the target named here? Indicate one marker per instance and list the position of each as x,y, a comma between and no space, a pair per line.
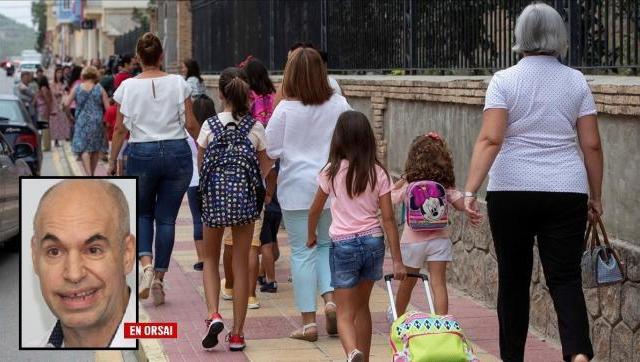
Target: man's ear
34,256
129,252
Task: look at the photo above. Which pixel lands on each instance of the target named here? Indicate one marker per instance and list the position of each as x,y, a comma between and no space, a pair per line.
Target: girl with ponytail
231,157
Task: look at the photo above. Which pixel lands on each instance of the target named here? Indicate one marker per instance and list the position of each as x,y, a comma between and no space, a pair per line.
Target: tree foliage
39,20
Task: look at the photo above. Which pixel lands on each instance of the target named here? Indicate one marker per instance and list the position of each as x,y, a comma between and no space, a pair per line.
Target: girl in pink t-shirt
429,159
358,186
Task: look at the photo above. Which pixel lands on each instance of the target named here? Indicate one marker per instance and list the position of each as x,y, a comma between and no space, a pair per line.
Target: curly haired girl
429,159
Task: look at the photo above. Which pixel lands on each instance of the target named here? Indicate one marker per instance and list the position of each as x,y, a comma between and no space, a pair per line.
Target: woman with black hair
191,72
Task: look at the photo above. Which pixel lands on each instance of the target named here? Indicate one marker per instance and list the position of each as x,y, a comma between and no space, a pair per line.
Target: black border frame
20,344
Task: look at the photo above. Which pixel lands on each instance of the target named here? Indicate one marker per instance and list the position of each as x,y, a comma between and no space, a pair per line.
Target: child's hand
311,241
471,208
399,271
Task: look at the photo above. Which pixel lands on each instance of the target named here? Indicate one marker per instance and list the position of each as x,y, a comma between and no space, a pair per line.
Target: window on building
66,4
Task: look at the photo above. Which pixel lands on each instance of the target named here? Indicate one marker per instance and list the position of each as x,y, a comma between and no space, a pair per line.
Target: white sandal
302,334
355,356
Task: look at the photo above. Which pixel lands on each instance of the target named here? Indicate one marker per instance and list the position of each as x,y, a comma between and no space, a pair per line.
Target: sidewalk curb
148,349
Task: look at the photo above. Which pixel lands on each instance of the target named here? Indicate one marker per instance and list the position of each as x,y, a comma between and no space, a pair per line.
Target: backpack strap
215,125
246,125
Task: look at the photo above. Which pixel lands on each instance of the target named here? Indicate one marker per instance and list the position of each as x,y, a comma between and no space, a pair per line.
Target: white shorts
414,255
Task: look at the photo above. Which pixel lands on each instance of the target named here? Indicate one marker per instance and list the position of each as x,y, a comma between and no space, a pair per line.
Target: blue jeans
356,259
164,170
196,215
309,266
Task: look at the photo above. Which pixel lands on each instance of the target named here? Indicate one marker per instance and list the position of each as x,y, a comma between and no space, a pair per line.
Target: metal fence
126,43
413,36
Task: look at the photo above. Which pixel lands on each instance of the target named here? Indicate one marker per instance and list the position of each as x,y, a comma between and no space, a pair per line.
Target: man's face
79,257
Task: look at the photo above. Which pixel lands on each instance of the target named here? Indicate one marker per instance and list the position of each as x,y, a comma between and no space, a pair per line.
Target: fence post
272,39
408,41
575,38
323,25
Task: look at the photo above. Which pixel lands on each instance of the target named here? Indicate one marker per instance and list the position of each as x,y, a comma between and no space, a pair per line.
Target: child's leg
363,318
211,262
242,243
438,281
227,256
347,305
253,270
404,292
268,263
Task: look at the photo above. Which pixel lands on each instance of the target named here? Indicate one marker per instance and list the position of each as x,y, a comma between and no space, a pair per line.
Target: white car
27,66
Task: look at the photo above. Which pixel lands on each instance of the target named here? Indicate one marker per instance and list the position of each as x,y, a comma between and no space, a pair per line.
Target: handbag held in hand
600,262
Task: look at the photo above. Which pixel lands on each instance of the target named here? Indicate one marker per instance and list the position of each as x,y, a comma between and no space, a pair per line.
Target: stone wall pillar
378,105
184,48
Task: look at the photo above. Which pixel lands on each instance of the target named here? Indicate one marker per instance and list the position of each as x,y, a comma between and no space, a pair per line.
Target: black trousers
558,221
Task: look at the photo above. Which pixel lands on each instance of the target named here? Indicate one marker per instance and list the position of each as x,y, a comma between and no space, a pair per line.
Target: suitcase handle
425,280
389,277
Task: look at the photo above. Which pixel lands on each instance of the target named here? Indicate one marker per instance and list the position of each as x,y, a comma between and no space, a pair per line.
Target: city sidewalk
267,328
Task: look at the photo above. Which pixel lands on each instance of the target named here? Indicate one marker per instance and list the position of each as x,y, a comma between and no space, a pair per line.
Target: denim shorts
356,259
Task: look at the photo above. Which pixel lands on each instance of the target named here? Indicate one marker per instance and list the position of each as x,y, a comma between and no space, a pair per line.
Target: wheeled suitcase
426,337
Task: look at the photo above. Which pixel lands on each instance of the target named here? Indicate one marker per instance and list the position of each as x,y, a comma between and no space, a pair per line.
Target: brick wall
184,48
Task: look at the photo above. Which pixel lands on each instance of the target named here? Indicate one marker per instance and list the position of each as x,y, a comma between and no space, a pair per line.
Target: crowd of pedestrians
300,155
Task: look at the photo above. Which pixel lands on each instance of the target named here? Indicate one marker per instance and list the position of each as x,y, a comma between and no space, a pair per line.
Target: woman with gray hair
539,185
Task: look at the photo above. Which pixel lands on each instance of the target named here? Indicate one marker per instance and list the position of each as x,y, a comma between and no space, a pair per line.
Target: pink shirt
411,236
350,216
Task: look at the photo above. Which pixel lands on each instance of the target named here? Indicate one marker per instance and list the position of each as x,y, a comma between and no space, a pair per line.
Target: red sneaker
236,342
214,327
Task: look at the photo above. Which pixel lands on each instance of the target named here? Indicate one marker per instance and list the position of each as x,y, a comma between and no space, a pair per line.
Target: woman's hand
595,209
472,210
312,240
399,270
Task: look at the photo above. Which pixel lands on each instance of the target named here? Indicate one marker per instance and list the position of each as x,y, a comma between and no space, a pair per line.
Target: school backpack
261,107
426,206
230,183
422,337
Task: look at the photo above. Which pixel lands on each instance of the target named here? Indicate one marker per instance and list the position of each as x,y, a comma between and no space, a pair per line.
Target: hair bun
149,48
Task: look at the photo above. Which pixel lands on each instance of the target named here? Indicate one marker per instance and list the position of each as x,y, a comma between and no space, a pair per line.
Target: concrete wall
400,108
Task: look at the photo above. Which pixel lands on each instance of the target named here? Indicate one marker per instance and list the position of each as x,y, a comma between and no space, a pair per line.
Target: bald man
82,251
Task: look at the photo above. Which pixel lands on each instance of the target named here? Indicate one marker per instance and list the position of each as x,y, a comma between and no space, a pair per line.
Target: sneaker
262,280
269,287
253,303
355,356
236,342
198,266
227,294
157,291
145,283
214,327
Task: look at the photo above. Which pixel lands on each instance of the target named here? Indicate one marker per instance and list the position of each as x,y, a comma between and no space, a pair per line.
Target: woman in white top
539,185
299,134
155,108
191,72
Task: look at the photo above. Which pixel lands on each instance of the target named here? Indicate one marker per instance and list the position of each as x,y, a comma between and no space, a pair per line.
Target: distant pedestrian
540,144
89,133
231,198
126,68
299,134
202,111
27,94
262,90
359,187
156,108
59,124
44,104
191,72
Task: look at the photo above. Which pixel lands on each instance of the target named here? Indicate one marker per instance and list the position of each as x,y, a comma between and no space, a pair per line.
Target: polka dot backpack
230,182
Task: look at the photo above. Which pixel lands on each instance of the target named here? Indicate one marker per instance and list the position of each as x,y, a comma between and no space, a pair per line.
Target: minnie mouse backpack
426,206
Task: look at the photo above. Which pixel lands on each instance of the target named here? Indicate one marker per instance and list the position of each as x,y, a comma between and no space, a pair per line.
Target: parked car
11,168
20,132
9,69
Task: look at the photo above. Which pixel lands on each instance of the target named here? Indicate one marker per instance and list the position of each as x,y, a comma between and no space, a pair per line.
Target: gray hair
112,190
540,29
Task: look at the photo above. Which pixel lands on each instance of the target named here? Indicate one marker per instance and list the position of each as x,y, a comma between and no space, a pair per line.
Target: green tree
39,20
141,17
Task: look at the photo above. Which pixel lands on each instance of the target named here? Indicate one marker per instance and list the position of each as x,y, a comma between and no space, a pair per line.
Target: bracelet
471,194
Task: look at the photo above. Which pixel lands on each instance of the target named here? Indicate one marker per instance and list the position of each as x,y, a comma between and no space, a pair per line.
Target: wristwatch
471,194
